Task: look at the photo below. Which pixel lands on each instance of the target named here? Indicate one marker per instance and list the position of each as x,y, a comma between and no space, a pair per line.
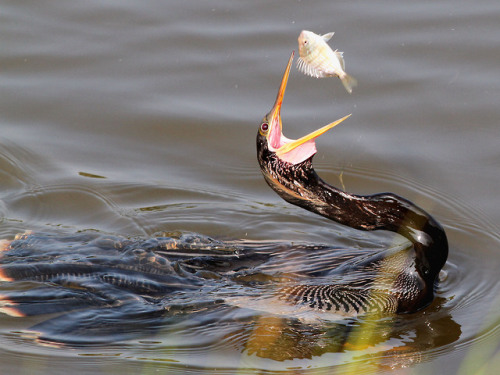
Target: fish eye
264,126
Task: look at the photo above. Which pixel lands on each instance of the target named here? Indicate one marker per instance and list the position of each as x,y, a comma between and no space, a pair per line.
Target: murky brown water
133,118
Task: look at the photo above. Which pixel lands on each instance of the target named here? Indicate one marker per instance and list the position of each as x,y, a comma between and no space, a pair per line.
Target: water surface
130,119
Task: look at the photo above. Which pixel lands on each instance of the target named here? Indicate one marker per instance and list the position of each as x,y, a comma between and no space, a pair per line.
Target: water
135,118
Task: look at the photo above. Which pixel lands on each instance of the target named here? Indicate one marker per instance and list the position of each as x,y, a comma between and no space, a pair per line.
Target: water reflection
394,342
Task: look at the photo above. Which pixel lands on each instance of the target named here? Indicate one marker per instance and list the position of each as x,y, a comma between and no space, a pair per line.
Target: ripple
241,338
163,102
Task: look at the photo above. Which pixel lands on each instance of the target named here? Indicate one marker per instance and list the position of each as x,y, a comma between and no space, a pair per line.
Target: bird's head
272,144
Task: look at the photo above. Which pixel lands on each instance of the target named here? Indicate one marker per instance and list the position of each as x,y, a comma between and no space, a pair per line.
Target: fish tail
349,82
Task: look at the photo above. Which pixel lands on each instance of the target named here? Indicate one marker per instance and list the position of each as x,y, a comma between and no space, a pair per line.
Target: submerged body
108,288
318,60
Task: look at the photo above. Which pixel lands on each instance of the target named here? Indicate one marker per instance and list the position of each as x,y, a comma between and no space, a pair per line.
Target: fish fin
349,82
308,69
340,56
328,36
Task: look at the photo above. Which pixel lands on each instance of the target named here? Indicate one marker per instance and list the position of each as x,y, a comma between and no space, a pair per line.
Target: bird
128,285
392,281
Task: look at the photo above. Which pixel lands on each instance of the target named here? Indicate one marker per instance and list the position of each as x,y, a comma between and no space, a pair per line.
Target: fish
317,59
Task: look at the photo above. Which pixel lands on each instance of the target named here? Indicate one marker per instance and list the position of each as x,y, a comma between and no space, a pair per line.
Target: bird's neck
300,185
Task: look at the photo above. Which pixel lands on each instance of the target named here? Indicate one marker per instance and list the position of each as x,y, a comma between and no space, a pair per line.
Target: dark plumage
131,285
402,282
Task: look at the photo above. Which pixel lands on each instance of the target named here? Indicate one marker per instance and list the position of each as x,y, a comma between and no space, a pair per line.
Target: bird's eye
305,41
264,127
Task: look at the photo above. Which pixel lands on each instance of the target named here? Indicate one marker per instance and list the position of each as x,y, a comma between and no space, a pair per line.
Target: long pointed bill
291,151
274,117
287,147
275,111
296,151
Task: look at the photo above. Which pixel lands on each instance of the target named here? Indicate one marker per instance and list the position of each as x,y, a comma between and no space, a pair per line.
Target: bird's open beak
289,150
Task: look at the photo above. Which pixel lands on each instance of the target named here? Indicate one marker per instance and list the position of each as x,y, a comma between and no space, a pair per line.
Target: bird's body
402,283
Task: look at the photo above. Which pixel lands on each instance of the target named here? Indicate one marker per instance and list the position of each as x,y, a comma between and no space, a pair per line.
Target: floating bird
318,60
391,281
122,287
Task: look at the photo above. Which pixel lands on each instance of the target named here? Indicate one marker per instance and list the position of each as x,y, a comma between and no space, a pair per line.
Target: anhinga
130,277
400,282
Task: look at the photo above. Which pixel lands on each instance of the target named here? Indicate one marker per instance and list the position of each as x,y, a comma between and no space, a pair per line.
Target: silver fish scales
318,60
